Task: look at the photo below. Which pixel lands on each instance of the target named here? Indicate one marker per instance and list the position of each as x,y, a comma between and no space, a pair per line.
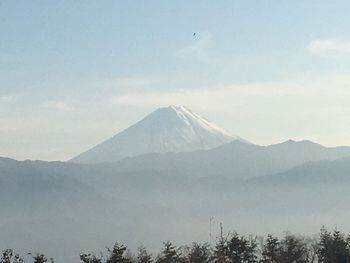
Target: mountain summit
169,129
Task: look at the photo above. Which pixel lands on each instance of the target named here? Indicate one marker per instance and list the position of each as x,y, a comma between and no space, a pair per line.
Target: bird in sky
194,34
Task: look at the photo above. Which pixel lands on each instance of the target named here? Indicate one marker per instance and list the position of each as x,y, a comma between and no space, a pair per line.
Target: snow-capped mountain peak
187,115
168,129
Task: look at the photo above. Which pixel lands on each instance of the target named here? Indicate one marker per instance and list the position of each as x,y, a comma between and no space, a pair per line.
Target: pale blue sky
73,73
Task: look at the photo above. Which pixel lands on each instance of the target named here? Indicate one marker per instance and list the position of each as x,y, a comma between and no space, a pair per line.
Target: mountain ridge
325,172
236,159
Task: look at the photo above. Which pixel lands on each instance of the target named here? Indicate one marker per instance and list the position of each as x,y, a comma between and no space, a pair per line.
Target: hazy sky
73,73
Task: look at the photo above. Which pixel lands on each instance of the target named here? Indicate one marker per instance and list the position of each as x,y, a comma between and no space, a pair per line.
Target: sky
74,73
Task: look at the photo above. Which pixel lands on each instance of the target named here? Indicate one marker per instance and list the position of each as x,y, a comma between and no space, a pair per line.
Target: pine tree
9,256
293,250
333,247
40,258
271,250
169,254
220,252
116,255
143,256
241,249
198,253
88,258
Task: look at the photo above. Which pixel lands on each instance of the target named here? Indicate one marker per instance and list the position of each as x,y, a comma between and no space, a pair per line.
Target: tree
333,247
88,258
39,258
312,246
293,250
9,256
169,254
143,256
198,253
220,252
117,254
241,249
271,250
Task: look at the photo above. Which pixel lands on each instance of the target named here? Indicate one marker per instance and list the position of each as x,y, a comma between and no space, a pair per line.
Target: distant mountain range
235,160
174,141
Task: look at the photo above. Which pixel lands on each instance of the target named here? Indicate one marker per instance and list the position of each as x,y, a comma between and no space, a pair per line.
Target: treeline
327,247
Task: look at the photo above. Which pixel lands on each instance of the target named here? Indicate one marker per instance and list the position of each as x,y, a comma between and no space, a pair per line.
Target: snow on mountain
169,129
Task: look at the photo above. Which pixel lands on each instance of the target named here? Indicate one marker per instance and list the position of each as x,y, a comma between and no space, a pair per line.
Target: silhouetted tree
312,244
9,256
333,247
271,250
88,258
329,247
40,258
143,256
170,254
241,249
293,250
199,253
117,254
220,252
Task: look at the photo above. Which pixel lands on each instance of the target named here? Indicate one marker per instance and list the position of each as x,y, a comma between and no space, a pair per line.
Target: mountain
170,129
325,172
24,183
235,160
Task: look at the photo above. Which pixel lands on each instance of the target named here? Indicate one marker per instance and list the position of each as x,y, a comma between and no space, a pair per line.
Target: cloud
213,99
200,99
57,105
197,49
329,47
238,98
